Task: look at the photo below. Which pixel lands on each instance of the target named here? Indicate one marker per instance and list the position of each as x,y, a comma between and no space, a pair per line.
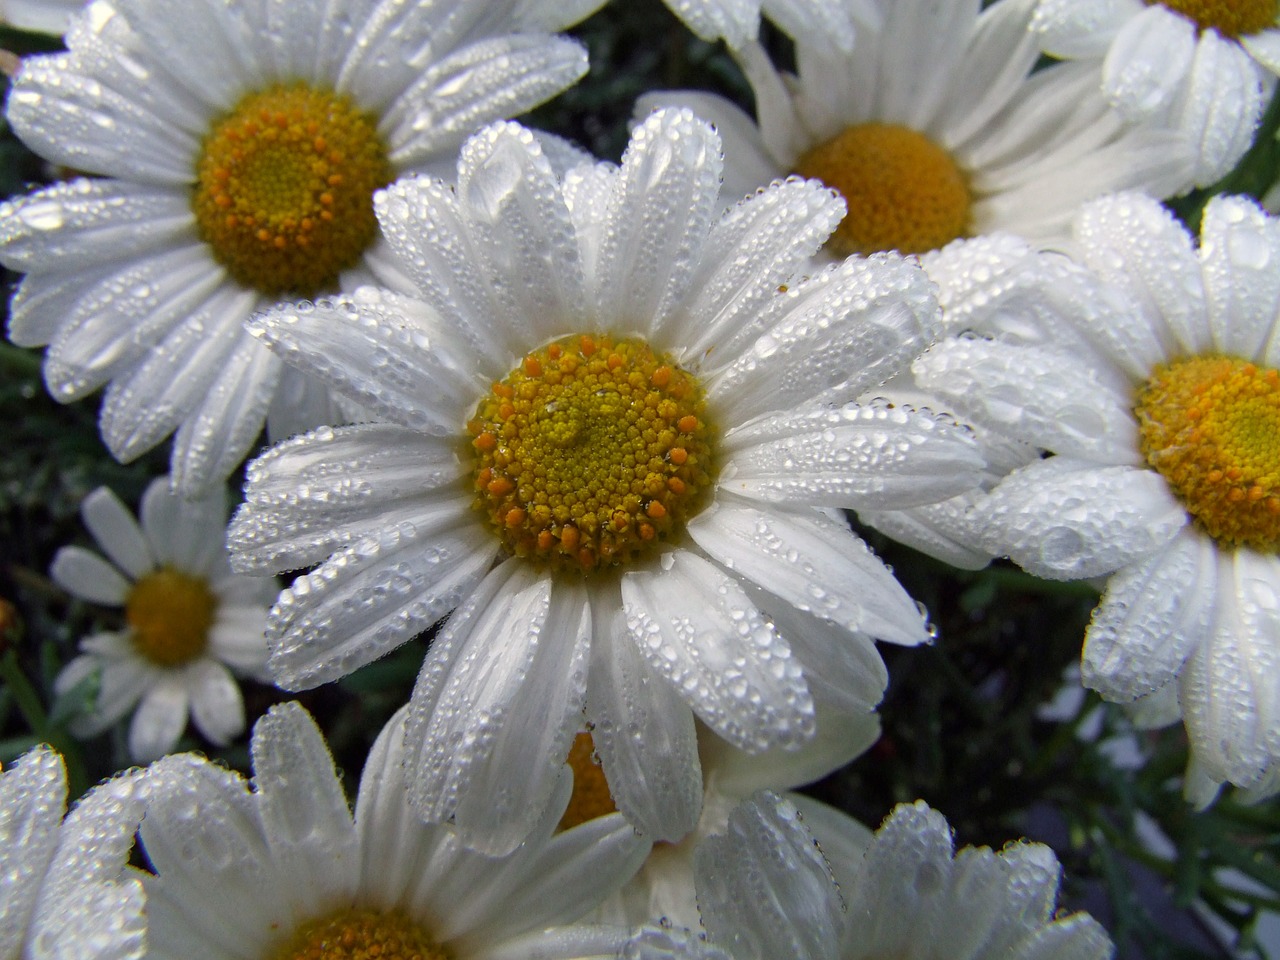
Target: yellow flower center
1211,427
169,615
284,188
904,192
1231,18
359,935
591,797
591,453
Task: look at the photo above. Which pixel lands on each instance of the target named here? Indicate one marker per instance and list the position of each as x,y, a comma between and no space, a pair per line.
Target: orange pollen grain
903,191
1210,426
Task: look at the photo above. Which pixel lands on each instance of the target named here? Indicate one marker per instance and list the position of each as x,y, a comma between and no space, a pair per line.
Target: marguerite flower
238,148
66,889
974,143
189,620
1151,375
613,417
1205,68
766,890
283,871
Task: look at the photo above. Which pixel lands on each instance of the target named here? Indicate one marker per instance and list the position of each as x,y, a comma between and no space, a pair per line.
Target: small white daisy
1152,374
189,620
66,889
283,871
1205,68
43,16
238,147
613,415
974,143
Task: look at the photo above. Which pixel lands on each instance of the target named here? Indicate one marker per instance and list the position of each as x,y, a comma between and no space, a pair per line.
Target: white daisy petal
709,641
495,78
116,532
1264,47
1154,614
844,670
765,889
368,599
1035,394
1074,937
159,720
515,212
185,534
663,206
853,456
33,794
88,576
643,732
1239,244
1080,28
517,648
42,302
734,21
1147,61
1221,106
217,708
808,561
93,919
814,18
1064,519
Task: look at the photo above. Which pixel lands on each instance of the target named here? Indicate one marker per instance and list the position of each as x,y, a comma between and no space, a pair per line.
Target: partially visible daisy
1152,374
974,143
616,419
238,148
737,22
43,16
1205,68
189,620
66,889
663,888
766,890
284,871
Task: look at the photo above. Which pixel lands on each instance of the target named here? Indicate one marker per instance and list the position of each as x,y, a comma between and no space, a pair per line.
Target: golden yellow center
284,188
591,797
359,935
904,192
1231,18
169,614
591,453
1211,427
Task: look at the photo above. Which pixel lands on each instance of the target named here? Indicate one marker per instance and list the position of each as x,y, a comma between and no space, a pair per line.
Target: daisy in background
284,871
974,143
189,620
68,890
1151,374
238,148
616,420
1204,68
765,890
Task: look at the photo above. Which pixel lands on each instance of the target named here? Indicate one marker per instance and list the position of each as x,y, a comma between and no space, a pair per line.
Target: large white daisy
66,889
766,890
613,415
1205,68
238,146
1151,375
974,143
284,870
189,620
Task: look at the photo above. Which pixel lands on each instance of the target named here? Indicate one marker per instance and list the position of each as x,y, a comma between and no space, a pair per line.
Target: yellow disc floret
904,192
591,797
359,935
169,615
1211,427
1231,18
284,188
591,453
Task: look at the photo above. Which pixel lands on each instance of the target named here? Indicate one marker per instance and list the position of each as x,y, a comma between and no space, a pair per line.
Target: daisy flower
1202,67
190,621
766,890
237,148
613,420
1150,375
66,889
664,885
973,144
284,871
